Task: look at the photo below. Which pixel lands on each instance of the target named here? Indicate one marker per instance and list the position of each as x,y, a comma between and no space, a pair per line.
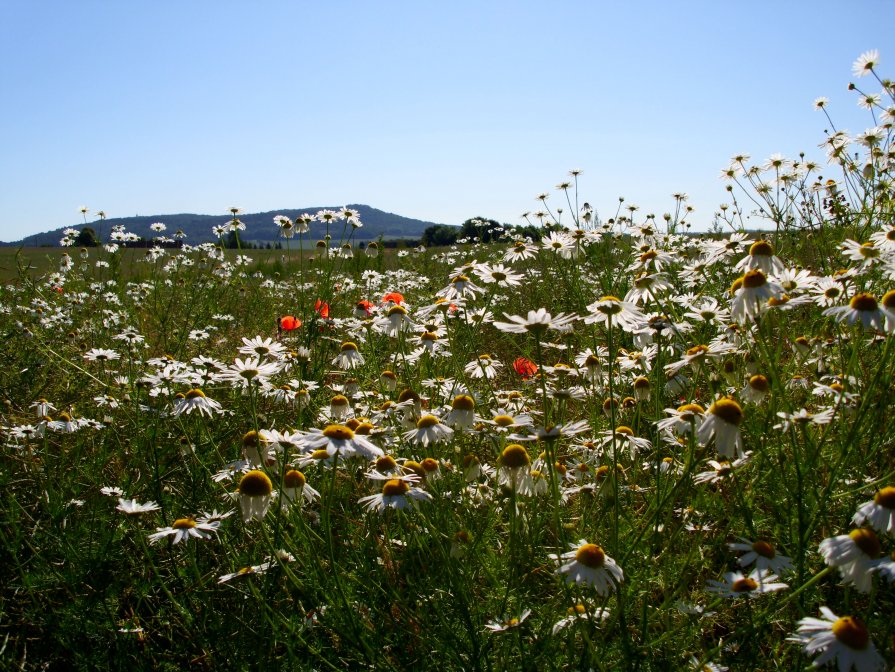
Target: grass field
615,447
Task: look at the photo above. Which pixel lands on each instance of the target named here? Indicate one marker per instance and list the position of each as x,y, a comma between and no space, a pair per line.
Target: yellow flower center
294,479
885,497
867,541
889,300
744,585
754,279
184,524
697,350
195,393
427,421
503,420
761,248
429,464
863,302
338,433
764,549
463,402
251,439
759,383
590,555
339,400
728,410
691,409
397,310
349,346
514,456
255,484
386,463
850,630
395,488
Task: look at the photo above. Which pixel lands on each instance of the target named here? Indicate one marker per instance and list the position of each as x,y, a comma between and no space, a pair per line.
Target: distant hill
259,226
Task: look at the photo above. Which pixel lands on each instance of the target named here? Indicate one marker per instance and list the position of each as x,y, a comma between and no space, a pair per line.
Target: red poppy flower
288,323
525,367
394,297
322,309
365,306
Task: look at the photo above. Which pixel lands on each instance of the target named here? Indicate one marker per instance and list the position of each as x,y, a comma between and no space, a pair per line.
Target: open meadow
619,446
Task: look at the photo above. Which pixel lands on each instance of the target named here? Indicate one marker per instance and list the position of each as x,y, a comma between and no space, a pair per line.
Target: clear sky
436,110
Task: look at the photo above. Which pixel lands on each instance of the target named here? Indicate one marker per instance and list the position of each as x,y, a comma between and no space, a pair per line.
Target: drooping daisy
462,413
397,493
254,494
514,469
865,308
296,489
342,441
349,356
879,513
588,564
756,389
682,420
195,400
761,256
752,293
855,554
429,430
844,641
723,423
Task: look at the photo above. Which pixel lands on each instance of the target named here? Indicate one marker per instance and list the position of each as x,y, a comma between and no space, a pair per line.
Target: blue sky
439,111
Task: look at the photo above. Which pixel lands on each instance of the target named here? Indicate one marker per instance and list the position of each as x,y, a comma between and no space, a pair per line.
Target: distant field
40,261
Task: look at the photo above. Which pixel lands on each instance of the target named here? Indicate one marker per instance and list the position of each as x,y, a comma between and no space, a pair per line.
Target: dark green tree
86,238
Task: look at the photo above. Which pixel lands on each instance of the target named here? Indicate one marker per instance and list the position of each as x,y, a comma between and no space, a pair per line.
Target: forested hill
260,226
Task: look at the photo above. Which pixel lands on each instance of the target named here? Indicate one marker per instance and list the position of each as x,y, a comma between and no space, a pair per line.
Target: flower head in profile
504,624
254,493
864,308
195,400
762,554
134,508
844,641
581,612
735,584
429,430
855,554
588,564
342,441
537,322
879,512
398,492
723,423
186,528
